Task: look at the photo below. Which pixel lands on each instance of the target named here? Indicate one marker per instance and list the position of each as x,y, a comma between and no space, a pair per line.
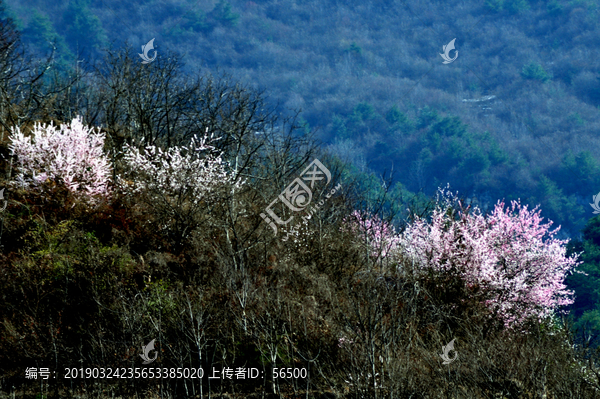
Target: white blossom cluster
180,173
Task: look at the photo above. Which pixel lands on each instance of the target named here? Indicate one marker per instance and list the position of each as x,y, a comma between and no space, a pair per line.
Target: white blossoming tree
71,155
179,186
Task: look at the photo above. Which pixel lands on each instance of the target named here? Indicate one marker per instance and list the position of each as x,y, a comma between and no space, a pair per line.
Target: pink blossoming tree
379,236
513,257
71,155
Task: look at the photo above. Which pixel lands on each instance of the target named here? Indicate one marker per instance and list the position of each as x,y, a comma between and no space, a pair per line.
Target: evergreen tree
399,121
586,308
83,30
223,15
40,33
427,117
534,71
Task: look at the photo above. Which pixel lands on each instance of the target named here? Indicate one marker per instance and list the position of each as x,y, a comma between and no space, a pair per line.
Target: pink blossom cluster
344,342
71,155
510,254
379,235
193,171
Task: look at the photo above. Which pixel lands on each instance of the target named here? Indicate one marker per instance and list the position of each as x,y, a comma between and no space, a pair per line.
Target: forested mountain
147,201
369,76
